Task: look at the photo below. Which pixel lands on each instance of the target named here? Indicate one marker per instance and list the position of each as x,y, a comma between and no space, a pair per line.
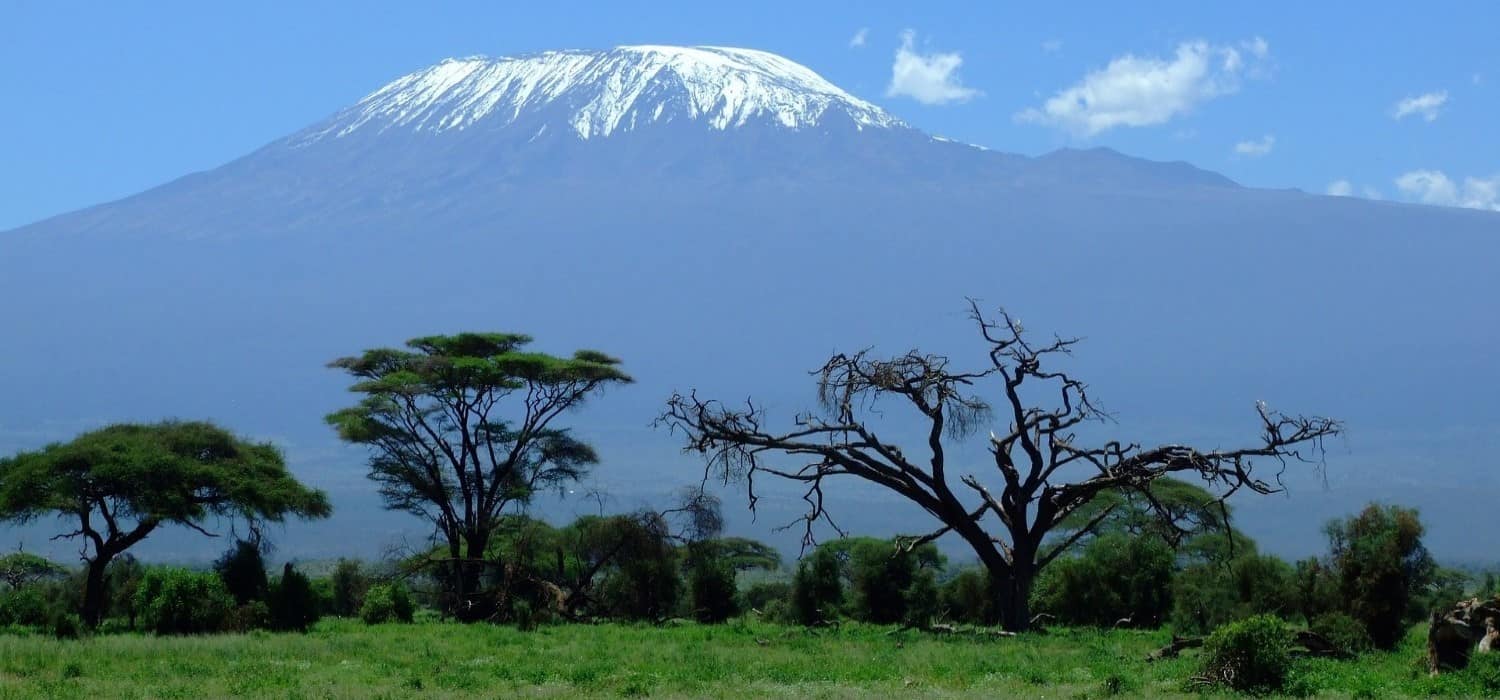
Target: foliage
1346,633
967,597
254,615
244,572
124,576
1209,594
1249,656
1317,588
25,607
122,482
294,606
923,602
348,585
817,588
878,573
442,448
1116,580
387,602
711,583
1381,564
180,601
763,594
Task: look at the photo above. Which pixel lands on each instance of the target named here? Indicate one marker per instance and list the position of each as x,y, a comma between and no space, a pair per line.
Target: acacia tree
119,484
461,427
1041,474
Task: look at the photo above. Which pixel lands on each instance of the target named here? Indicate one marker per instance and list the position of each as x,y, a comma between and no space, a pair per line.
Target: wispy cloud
1435,187
1256,149
1145,91
858,40
1429,106
1341,188
1052,45
927,78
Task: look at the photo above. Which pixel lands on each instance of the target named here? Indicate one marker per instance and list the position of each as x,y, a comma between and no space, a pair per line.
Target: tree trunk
94,586
1015,601
474,606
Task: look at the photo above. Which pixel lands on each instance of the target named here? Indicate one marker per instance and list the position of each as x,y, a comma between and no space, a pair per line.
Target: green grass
346,659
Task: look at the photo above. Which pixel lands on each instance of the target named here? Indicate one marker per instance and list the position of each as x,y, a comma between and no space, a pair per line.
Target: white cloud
1256,149
927,78
1257,46
1435,187
1145,91
1341,188
1428,105
1052,45
1372,193
858,40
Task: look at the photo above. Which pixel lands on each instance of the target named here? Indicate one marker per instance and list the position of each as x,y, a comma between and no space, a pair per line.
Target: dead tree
1040,473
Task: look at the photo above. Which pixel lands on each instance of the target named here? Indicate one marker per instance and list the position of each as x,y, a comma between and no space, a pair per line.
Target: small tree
1042,473
711,583
1116,580
293,603
445,448
119,484
1381,563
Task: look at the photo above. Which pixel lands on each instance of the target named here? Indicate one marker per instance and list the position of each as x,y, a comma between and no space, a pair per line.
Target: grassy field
346,659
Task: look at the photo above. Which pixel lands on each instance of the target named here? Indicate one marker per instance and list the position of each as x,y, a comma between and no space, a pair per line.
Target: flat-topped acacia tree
462,427
1040,476
116,485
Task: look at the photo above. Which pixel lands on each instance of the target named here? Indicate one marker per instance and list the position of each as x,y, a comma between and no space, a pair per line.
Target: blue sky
106,99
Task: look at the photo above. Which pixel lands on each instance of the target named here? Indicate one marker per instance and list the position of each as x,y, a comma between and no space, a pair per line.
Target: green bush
244,572
179,601
1249,656
1345,632
25,607
758,596
348,585
1116,577
294,606
817,590
254,615
712,585
387,602
67,626
923,603
967,597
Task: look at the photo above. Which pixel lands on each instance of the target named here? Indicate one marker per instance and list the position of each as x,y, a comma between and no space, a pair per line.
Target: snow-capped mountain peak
599,93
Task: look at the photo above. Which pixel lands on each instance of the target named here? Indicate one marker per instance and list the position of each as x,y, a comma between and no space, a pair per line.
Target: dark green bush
1116,577
1380,563
348,585
758,596
817,589
967,597
254,615
1345,632
25,607
244,572
179,601
923,603
1208,595
294,606
67,626
1249,656
712,586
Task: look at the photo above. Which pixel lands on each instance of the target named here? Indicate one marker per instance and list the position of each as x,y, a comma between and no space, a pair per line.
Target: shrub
293,604
759,596
179,601
254,615
1209,595
817,590
1249,656
387,602
922,600
1346,633
348,585
25,607
968,598
67,626
1116,577
712,585
244,572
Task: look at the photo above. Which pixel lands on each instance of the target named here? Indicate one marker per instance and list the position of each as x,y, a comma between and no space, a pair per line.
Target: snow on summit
602,92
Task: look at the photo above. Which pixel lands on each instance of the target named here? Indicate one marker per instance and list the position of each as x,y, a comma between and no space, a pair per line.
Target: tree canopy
118,484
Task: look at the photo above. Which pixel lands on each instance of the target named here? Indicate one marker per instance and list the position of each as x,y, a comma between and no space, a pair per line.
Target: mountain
722,219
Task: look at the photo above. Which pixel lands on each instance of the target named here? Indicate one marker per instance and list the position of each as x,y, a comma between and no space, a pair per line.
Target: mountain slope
730,248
